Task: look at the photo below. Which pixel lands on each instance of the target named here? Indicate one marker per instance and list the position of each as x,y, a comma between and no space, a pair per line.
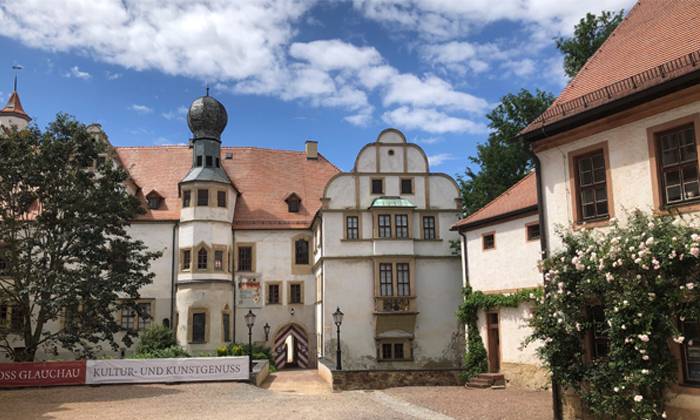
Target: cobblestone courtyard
291,395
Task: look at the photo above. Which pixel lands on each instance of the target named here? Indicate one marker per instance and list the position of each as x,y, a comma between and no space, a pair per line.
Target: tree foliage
589,35
503,159
69,263
644,277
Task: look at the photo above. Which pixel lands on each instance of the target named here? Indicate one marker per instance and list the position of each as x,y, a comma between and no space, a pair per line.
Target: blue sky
336,71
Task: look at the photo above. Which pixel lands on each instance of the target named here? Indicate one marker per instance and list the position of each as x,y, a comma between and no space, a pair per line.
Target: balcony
395,305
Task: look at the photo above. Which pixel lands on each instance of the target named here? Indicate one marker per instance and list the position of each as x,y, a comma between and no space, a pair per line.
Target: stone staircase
487,380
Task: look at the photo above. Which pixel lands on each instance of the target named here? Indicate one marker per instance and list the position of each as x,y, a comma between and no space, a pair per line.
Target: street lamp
249,321
267,331
338,319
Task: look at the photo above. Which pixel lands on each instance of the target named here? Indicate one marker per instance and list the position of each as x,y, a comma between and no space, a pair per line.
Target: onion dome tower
204,297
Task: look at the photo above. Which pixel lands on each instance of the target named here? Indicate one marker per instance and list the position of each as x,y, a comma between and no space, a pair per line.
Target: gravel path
242,401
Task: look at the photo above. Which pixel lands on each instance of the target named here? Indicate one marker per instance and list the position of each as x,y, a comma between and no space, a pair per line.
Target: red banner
13,375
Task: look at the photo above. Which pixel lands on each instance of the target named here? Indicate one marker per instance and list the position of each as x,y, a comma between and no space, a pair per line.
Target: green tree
503,159
589,35
68,263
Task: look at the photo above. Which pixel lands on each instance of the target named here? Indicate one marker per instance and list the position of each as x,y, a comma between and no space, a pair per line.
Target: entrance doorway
291,347
494,344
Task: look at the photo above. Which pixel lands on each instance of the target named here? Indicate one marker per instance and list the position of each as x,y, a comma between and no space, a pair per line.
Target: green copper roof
391,202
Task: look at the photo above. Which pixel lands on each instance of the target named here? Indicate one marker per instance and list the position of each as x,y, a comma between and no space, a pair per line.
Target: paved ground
290,395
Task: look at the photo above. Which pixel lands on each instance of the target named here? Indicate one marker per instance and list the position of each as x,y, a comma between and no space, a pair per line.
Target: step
477,385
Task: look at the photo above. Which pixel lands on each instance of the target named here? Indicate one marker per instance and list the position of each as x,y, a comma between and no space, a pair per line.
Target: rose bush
644,275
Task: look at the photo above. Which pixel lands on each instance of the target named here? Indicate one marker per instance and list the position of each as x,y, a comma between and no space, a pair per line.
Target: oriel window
186,198
219,260
203,197
221,198
384,225
403,279
401,226
678,164
186,259
202,259
386,287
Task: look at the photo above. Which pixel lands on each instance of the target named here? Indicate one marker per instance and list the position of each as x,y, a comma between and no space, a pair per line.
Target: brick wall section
349,380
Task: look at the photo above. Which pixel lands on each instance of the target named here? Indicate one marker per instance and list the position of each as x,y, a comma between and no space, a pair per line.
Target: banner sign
122,371
249,295
13,375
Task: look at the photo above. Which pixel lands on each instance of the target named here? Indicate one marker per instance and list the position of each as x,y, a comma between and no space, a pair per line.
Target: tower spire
16,68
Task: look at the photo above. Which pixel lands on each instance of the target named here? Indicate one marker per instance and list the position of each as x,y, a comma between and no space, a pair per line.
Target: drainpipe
173,275
233,282
556,391
465,258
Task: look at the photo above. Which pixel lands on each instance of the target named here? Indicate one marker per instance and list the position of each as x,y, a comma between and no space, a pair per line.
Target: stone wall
348,380
527,376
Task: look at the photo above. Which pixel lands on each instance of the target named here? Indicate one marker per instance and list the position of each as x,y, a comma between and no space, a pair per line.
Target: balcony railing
395,304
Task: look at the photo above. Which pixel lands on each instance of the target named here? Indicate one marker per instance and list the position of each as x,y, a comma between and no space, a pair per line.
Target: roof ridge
509,189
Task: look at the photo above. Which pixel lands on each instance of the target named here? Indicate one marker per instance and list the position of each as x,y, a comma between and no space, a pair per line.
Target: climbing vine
475,359
644,277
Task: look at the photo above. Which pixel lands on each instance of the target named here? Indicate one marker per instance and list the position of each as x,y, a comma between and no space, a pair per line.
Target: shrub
166,353
154,338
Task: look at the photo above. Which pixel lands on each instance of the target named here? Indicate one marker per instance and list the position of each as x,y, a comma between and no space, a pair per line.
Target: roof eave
495,219
612,107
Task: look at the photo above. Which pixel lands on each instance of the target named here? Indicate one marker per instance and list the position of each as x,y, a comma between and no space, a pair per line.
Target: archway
291,347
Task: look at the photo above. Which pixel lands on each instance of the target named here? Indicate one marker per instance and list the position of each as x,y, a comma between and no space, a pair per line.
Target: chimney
311,149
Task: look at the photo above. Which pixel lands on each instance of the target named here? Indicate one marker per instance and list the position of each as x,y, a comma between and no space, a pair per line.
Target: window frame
221,199
290,294
405,230
383,229
200,196
197,260
483,241
186,198
268,286
412,189
190,329
425,228
371,186
304,254
390,267
384,268
528,235
573,158
238,257
226,330
392,346
137,319
683,351
356,228
184,258
592,334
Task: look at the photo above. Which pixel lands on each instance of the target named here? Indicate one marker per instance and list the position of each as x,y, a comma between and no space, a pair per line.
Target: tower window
221,198
203,197
186,198
209,161
218,162
219,260
186,259
199,326
202,259
199,161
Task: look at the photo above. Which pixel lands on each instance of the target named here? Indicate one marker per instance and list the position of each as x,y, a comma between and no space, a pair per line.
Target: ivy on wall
475,358
644,277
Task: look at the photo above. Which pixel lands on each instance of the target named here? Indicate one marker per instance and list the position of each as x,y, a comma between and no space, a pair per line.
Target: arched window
202,257
301,254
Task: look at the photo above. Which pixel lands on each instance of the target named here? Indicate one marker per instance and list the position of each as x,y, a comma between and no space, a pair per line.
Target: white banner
122,371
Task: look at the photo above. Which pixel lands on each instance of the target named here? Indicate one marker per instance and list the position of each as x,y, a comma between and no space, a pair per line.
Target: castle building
13,115
288,236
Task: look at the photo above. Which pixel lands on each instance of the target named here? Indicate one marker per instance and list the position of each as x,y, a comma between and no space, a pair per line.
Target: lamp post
249,321
338,319
267,331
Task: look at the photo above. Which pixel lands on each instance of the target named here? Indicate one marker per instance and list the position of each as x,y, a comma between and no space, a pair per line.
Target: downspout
465,259
173,275
233,282
556,391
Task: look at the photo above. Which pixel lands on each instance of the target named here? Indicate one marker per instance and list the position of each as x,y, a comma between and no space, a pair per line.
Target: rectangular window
591,186
186,259
186,198
429,227
386,351
352,227
384,225
407,186
691,351
209,162
398,351
245,258
533,232
488,241
599,335
295,293
378,186
128,319
226,320
403,279
401,226
678,164
221,198
199,161
144,315
203,197
199,327
202,259
273,294
219,260
386,287
301,252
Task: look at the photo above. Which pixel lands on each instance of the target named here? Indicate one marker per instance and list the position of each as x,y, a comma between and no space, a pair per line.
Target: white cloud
440,158
334,54
141,109
77,73
431,121
522,68
428,140
430,91
361,119
178,113
112,76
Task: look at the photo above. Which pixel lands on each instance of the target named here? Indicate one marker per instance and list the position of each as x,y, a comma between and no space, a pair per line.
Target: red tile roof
263,177
520,197
14,106
657,41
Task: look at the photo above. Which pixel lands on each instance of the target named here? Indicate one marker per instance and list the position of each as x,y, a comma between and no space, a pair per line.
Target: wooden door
494,344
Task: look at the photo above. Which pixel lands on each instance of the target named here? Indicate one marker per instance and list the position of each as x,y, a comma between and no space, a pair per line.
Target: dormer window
293,203
154,200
